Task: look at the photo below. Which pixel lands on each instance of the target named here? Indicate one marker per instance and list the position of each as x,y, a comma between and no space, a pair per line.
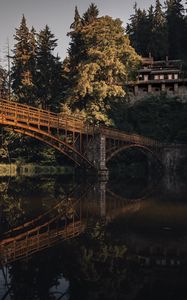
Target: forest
160,30
91,81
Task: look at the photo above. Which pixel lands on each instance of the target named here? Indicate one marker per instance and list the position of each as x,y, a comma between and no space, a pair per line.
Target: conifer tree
176,28
91,14
139,31
77,20
76,47
98,70
23,68
49,71
150,19
3,83
159,47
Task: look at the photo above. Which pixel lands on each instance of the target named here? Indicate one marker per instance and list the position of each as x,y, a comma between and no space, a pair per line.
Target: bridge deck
13,112
116,134
70,135
39,238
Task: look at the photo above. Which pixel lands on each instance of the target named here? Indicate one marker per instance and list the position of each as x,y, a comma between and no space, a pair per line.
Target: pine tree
151,42
99,68
23,67
49,71
77,20
148,31
159,47
3,83
176,28
185,42
76,46
91,14
139,31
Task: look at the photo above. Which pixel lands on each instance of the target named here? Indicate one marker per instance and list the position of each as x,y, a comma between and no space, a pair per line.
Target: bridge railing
23,113
129,137
16,113
36,240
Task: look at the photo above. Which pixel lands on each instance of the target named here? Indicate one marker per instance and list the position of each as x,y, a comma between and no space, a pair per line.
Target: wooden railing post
66,130
14,247
49,122
58,125
73,133
28,115
16,112
39,119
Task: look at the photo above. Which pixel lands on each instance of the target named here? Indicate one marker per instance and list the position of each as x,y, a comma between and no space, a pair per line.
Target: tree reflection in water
105,262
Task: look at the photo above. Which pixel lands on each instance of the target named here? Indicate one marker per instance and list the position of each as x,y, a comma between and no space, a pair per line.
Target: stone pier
97,155
172,157
101,189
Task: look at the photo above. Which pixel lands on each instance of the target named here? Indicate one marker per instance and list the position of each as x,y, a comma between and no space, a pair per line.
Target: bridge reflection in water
133,218
62,222
65,220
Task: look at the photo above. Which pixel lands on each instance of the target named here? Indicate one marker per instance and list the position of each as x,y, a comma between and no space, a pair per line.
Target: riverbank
33,169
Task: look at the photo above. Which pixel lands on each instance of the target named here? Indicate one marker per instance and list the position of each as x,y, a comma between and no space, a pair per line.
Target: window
170,76
161,77
146,77
156,77
175,76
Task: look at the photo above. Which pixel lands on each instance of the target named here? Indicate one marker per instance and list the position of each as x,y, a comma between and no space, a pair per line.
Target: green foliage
36,80
91,14
100,61
159,117
23,67
160,31
36,72
101,263
91,81
77,19
138,30
3,83
48,71
177,29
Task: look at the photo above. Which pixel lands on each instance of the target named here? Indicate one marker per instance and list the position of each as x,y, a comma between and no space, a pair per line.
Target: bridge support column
96,200
101,197
96,153
100,157
172,157
173,185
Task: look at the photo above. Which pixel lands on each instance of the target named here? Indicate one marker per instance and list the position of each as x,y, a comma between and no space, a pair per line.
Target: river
61,238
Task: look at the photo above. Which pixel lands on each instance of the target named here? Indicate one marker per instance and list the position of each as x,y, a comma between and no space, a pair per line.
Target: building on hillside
157,77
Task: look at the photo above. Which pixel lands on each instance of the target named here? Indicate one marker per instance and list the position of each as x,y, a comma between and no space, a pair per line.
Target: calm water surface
117,240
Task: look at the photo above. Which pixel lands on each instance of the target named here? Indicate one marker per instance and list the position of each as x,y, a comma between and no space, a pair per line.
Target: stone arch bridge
86,145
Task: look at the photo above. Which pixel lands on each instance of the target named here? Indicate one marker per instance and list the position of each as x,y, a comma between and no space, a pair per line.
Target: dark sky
58,14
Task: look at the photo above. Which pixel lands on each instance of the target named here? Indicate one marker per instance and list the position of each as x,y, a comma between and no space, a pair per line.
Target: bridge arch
87,145
67,134
56,143
142,148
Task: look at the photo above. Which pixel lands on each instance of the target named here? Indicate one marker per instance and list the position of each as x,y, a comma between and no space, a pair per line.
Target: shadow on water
131,241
